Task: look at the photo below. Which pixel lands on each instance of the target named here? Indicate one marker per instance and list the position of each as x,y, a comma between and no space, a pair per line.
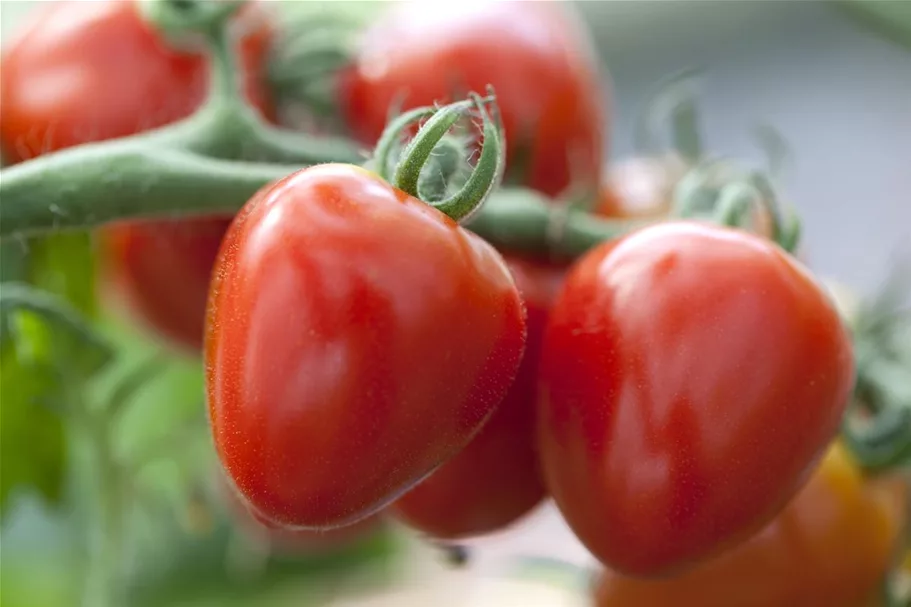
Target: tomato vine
216,160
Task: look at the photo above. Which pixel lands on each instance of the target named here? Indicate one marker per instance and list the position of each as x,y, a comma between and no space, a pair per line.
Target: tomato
641,187
496,479
692,376
162,269
64,80
539,59
644,187
93,71
357,338
830,547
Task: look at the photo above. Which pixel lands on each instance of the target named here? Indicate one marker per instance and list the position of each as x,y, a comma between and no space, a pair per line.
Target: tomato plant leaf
199,569
50,352
43,363
32,445
64,264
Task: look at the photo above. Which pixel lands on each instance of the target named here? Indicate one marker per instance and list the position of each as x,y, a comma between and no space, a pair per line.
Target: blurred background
834,78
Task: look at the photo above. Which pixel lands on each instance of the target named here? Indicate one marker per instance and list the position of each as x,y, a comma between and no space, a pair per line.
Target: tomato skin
541,64
356,339
163,269
830,547
496,479
62,81
692,376
62,85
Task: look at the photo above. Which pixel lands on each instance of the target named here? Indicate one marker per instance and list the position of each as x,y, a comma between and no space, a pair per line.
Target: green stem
735,202
687,138
134,381
224,81
390,141
176,19
521,221
417,152
886,444
229,128
91,185
16,296
487,173
104,584
96,184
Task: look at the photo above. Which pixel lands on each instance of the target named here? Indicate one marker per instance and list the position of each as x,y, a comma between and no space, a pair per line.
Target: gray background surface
839,93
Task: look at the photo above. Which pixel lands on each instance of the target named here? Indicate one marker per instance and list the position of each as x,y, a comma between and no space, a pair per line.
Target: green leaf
43,364
32,446
13,268
199,571
50,354
64,264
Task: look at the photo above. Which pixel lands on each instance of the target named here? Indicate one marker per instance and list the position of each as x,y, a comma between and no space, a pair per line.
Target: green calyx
877,427
675,102
178,18
716,190
306,58
22,297
419,173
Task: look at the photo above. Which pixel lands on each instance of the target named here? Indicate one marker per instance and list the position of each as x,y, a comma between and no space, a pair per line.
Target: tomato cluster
671,390
828,547
86,52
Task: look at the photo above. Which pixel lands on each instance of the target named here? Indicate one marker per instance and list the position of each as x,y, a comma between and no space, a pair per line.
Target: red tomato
692,377
163,270
830,547
90,71
539,59
496,479
357,338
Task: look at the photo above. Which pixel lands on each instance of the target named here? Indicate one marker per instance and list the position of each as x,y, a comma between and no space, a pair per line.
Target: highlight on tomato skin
539,58
496,479
830,547
357,338
86,51
692,377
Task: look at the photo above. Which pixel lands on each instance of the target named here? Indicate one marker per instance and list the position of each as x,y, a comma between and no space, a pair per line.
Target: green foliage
42,364
32,445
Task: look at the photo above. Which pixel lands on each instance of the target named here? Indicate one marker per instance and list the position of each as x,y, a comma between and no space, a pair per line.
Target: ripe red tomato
496,479
91,71
692,376
163,269
95,71
357,338
536,56
830,547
